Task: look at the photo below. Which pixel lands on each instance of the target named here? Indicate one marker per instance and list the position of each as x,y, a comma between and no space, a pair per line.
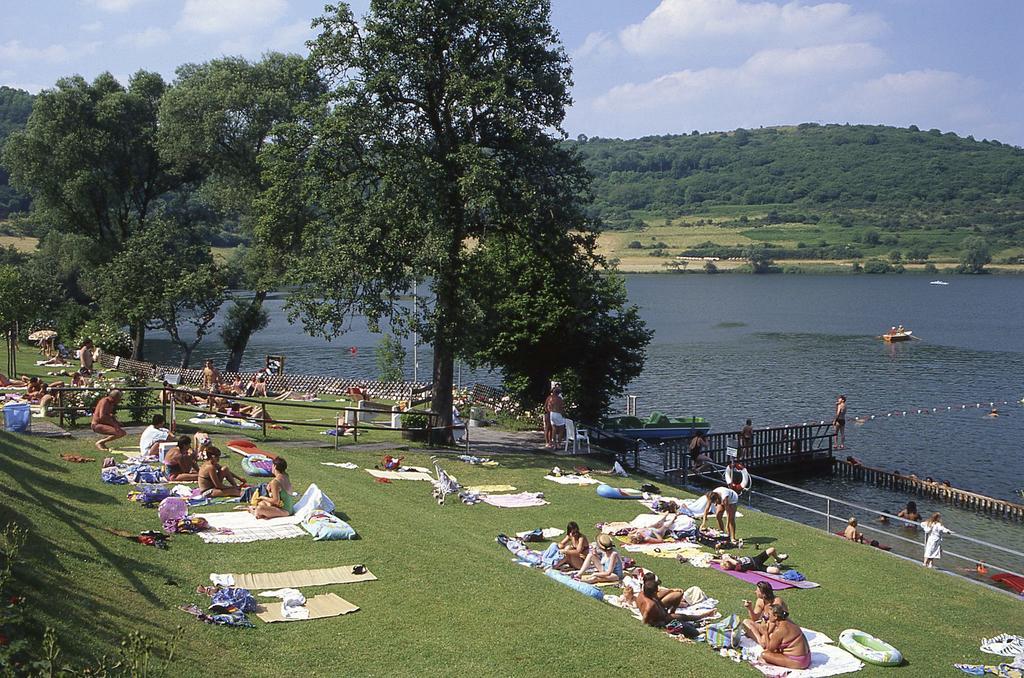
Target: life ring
730,477
870,649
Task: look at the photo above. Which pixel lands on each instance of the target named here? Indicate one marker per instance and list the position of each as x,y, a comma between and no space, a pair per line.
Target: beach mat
320,607
755,578
298,578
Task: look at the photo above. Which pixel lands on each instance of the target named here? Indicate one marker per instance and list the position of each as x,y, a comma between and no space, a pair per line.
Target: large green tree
215,121
975,255
89,160
438,144
163,279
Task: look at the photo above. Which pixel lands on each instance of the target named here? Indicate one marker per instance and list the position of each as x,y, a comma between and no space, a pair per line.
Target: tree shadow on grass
35,486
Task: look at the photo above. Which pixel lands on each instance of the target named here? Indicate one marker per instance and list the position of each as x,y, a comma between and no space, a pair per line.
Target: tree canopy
437,147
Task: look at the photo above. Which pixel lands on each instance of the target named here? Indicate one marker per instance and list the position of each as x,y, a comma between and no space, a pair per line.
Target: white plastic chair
576,436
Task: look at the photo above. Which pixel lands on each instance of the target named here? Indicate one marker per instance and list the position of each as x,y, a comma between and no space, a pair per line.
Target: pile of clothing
228,606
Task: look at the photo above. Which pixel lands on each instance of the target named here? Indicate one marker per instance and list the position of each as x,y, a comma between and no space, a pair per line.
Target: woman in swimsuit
653,533
280,503
757,624
785,644
724,500
605,559
574,548
218,480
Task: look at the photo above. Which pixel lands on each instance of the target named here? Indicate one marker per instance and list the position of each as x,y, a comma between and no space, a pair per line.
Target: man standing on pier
746,442
840,421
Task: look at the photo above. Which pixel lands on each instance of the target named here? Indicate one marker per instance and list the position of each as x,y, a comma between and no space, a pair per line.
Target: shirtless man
657,605
554,406
211,377
213,476
86,357
181,462
104,422
840,421
746,441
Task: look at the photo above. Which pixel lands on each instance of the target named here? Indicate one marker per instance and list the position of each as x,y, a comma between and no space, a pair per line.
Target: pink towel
755,577
521,500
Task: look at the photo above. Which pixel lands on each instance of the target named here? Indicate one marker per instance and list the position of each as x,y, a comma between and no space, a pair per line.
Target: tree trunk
138,332
186,355
445,327
238,350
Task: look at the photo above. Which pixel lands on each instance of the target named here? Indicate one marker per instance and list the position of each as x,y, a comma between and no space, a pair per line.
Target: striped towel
242,535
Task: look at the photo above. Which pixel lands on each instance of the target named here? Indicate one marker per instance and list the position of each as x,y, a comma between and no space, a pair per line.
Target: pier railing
785,448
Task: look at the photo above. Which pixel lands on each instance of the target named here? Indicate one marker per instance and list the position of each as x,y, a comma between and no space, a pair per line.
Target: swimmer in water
994,413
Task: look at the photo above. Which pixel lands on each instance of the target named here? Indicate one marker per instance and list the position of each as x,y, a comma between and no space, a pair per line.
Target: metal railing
828,516
349,417
770,447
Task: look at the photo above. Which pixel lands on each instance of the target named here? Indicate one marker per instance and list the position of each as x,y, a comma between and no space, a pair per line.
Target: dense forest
891,176
15,107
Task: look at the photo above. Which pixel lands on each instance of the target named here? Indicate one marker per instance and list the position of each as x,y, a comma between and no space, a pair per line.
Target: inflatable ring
258,465
730,477
870,649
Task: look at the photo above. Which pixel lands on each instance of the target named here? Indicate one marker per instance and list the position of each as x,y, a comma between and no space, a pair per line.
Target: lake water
778,349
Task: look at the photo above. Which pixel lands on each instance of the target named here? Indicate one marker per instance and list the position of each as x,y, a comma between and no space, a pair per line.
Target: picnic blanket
241,527
320,607
488,489
753,577
548,533
826,659
521,500
669,549
401,475
293,579
573,480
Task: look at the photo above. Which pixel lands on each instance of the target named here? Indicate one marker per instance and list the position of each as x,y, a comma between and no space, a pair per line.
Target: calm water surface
778,349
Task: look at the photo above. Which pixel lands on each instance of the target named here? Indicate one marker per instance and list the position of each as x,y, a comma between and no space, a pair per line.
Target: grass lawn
448,600
22,243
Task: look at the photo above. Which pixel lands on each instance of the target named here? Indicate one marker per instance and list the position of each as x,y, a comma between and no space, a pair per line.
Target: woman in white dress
934,529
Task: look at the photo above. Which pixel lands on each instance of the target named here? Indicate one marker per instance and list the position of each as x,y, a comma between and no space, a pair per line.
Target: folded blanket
400,475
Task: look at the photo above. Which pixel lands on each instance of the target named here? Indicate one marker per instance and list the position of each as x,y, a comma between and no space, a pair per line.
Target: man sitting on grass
155,433
181,462
213,476
657,605
104,422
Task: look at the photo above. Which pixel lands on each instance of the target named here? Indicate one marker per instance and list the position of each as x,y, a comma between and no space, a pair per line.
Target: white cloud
598,43
151,37
230,16
92,26
765,75
676,24
14,50
925,98
117,5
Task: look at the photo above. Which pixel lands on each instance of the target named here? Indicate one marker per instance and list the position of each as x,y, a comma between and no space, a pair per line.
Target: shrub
109,337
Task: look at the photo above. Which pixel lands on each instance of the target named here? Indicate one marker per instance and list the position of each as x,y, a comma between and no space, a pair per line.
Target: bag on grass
725,633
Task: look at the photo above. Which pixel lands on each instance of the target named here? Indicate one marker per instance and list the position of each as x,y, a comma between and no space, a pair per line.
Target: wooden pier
928,488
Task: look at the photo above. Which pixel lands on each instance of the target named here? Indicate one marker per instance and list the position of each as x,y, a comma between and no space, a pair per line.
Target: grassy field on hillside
19,242
449,601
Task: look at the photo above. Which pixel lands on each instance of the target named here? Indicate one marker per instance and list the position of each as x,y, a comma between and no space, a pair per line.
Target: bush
137,403
877,266
109,337
390,359
930,268
635,245
709,267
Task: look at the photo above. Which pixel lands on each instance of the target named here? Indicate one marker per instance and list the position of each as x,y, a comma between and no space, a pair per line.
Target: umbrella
40,335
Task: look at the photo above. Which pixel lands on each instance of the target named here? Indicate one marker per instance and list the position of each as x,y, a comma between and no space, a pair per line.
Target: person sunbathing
851,532
573,547
36,389
280,501
653,533
5,382
757,624
657,605
784,643
213,477
296,395
605,560
181,462
755,563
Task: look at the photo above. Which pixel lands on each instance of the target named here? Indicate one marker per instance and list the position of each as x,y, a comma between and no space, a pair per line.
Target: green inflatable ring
866,647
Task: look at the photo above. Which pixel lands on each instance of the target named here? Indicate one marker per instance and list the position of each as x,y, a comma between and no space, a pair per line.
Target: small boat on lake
657,428
898,335
938,282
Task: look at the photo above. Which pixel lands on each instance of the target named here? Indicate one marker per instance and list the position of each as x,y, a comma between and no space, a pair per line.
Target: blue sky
640,66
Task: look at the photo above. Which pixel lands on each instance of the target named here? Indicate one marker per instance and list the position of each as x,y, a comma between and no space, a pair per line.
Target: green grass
448,600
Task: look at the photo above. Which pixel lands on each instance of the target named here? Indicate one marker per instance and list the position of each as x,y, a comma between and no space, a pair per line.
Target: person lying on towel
280,502
756,563
217,480
785,644
181,463
657,604
654,533
605,560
